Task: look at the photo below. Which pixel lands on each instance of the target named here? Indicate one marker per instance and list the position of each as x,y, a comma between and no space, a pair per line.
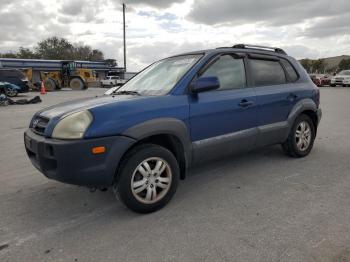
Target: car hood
9,85
59,110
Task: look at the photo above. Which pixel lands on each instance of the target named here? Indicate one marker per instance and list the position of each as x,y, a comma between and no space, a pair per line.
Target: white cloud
160,28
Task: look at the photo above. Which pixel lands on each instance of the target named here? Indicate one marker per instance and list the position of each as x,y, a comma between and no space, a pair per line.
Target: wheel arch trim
163,126
306,104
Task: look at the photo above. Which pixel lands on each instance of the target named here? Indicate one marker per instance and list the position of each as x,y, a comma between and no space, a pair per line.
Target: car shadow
55,207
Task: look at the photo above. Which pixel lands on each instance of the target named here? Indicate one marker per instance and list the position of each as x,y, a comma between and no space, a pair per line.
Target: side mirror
204,84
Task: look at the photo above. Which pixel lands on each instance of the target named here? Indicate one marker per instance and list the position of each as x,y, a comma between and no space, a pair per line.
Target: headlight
73,126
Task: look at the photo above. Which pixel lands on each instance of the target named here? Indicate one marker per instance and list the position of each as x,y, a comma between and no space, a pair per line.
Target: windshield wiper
125,92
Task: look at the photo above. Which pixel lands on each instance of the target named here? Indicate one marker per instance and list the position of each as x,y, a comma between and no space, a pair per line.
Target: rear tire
332,85
301,137
148,178
76,84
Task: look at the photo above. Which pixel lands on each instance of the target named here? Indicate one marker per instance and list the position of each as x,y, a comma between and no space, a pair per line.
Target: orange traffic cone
42,89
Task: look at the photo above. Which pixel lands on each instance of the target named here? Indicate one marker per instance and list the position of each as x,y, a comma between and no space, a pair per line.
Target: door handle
245,103
292,97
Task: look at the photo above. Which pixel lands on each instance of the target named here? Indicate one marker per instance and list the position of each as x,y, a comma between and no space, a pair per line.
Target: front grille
39,125
339,78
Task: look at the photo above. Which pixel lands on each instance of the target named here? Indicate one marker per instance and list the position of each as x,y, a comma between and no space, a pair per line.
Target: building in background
38,65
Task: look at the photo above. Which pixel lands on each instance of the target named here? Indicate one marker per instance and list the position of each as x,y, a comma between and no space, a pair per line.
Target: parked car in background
321,79
109,81
15,77
9,89
342,78
181,111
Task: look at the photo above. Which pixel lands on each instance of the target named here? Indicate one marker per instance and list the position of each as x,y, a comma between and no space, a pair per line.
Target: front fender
160,126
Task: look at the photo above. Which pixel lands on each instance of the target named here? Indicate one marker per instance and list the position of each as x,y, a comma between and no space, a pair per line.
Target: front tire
50,85
76,84
148,178
11,92
301,137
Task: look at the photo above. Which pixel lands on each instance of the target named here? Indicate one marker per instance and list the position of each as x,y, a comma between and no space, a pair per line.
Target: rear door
224,120
276,94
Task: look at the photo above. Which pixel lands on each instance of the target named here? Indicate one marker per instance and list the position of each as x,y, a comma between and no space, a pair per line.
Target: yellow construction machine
71,74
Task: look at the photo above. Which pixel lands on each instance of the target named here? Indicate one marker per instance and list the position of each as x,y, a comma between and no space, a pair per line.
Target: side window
266,72
293,76
230,72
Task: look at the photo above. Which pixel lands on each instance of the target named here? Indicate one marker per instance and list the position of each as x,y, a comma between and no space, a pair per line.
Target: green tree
344,64
26,53
318,66
307,64
84,52
96,55
8,55
55,48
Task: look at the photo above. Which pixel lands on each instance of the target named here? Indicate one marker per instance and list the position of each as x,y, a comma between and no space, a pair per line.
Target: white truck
114,80
109,81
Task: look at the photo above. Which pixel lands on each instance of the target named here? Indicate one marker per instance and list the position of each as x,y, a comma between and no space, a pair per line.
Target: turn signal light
98,150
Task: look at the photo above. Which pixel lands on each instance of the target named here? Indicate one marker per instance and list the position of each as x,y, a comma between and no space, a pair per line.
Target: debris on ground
5,101
4,246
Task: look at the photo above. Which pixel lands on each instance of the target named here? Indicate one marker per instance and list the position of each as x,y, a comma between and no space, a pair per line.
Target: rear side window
230,72
266,72
293,76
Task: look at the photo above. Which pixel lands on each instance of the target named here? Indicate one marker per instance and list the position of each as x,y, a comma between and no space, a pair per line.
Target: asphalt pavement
259,206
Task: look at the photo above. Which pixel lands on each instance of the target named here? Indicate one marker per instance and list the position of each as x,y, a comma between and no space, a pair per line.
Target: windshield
160,77
345,73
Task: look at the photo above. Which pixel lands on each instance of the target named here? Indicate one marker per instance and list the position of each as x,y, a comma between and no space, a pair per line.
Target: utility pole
124,6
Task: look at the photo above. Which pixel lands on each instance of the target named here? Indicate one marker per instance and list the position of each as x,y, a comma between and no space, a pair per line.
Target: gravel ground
260,206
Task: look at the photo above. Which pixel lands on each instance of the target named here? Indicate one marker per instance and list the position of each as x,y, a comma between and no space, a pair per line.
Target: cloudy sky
159,28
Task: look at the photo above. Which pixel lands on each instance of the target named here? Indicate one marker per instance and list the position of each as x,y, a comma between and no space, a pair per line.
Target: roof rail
259,47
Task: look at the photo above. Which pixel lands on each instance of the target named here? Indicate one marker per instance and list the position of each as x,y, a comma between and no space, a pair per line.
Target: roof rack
259,47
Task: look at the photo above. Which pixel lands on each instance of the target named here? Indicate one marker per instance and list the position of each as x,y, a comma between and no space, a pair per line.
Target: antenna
124,7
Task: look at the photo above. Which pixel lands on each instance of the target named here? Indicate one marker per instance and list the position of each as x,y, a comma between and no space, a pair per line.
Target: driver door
223,121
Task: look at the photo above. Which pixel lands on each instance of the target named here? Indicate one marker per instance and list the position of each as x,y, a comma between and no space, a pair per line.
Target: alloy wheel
151,180
303,136
11,92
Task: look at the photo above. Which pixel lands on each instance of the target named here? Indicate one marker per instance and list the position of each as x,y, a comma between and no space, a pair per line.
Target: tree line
57,49
319,66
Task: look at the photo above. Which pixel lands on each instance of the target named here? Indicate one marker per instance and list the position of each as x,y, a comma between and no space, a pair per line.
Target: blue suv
187,109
